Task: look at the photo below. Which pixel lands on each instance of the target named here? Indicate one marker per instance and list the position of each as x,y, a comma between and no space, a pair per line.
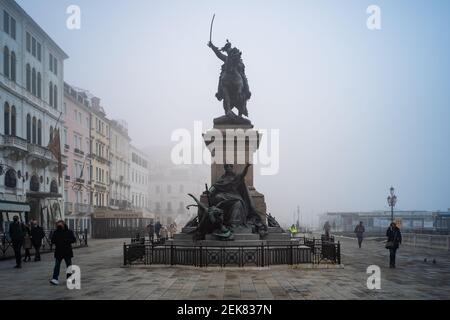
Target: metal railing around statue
7,252
306,251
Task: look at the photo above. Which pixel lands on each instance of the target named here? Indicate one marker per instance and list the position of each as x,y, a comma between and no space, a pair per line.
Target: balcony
81,208
78,151
14,143
40,152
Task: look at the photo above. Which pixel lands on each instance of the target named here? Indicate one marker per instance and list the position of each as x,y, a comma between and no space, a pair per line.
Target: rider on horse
233,83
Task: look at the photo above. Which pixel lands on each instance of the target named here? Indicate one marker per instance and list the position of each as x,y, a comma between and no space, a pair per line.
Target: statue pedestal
234,143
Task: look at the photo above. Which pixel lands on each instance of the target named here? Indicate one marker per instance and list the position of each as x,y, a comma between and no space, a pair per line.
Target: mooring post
124,254
262,254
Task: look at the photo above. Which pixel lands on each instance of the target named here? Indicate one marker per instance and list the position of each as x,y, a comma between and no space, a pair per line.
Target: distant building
76,145
120,184
378,221
31,99
139,179
100,162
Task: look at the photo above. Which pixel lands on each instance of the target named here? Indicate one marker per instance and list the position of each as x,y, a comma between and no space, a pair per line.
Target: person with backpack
17,234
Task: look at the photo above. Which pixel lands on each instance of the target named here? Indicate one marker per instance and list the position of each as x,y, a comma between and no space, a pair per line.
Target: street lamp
392,200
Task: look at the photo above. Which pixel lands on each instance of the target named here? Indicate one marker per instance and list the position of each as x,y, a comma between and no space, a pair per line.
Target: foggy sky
358,110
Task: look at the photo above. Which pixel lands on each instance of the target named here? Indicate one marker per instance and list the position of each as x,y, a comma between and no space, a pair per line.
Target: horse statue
233,85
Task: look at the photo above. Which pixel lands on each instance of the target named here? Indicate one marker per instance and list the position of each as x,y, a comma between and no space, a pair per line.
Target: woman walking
394,239
27,244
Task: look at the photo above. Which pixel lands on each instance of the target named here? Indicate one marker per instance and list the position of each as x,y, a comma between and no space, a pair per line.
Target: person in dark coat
394,239
359,231
151,231
37,234
27,245
157,228
17,233
62,239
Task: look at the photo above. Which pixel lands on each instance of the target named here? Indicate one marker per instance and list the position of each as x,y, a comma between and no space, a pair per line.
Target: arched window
50,94
28,77
39,133
13,121
34,131
6,61
28,128
51,134
55,97
54,186
13,66
33,81
39,85
34,183
6,119
10,179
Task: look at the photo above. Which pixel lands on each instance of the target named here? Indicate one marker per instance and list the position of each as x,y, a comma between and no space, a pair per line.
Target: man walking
359,230
17,233
37,234
62,238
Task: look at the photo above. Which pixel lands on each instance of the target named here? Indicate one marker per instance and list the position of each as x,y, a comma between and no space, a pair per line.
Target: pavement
103,277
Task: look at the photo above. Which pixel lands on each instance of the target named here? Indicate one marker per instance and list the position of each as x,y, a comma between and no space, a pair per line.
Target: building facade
31,99
139,179
100,159
169,188
76,145
120,188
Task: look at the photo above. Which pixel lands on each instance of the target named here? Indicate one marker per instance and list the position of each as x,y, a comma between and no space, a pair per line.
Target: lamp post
392,200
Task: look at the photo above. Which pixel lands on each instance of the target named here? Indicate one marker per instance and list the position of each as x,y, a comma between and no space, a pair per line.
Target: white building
119,148
139,179
31,98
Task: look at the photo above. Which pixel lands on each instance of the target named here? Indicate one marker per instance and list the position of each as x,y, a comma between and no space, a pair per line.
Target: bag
389,244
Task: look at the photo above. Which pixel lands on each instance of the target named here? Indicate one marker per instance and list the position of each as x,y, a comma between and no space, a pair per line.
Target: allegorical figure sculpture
233,85
230,207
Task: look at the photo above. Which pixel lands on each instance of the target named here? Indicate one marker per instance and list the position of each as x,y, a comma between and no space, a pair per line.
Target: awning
7,206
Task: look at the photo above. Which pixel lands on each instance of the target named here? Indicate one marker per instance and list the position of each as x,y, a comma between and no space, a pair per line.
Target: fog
358,110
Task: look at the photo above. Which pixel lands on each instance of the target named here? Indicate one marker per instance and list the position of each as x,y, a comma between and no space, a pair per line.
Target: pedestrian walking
394,239
327,228
157,229
163,234
359,230
27,245
17,234
37,234
62,238
151,231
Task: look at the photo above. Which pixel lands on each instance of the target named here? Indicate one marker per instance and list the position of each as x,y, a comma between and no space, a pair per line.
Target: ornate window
10,179
6,118
33,82
55,97
39,85
39,133
54,186
28,128
6,61
34,132
13,121
50,93
34,183
13,66
28,77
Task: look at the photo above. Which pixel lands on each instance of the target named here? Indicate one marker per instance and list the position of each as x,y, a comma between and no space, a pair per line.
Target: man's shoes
54,282
18,267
